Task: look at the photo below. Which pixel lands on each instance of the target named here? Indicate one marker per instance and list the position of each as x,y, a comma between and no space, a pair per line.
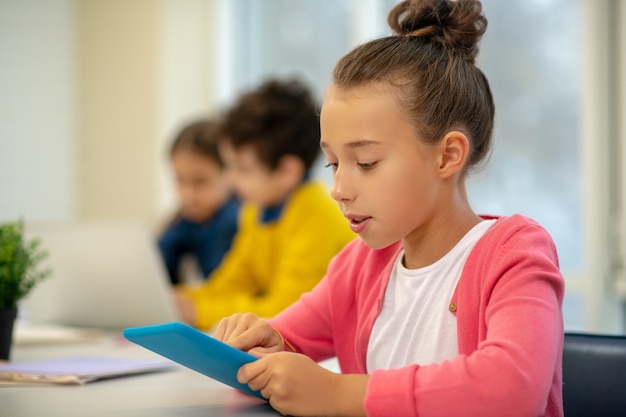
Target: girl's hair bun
458,25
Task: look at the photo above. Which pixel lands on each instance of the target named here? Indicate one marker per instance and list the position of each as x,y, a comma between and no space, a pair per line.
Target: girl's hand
249,333
295,385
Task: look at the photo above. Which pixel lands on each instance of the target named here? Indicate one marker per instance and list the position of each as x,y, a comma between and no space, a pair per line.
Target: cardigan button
453,307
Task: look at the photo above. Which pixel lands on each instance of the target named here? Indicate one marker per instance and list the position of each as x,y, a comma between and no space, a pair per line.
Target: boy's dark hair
278,118
199,137
429,64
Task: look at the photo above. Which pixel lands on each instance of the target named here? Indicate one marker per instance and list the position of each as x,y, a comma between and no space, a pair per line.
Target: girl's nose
341,191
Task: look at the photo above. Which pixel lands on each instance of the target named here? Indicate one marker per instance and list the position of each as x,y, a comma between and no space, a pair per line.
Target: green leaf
20,263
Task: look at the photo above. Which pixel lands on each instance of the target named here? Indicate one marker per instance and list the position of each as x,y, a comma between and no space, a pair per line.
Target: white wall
91,93
188,78
38,174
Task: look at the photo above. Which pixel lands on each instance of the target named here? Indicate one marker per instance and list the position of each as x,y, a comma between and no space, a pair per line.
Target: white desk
179,392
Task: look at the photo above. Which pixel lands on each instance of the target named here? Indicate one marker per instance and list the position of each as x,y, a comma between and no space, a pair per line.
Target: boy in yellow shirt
289,227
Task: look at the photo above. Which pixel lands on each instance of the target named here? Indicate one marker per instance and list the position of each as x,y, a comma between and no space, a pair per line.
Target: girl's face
201,184
385,178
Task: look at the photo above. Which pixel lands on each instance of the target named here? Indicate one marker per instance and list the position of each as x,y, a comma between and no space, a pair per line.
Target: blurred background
92,92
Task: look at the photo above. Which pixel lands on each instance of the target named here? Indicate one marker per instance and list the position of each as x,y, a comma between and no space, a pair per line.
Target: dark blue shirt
207,242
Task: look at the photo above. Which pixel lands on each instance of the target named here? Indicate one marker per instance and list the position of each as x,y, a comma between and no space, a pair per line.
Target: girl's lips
357,225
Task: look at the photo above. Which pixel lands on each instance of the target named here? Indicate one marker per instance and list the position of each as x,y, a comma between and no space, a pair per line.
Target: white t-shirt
415,324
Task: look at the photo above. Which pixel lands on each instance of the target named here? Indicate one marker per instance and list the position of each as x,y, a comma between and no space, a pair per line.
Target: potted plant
20,271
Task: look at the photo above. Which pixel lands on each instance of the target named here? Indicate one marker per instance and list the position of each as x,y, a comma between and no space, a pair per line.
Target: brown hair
199,137
430,66
278,118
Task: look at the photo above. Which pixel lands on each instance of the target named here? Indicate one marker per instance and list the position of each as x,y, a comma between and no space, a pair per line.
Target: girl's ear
453,152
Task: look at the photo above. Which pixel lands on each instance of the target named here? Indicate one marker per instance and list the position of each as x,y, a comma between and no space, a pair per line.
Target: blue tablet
195,350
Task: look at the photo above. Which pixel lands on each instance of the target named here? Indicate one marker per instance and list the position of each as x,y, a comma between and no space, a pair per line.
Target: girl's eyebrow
355,144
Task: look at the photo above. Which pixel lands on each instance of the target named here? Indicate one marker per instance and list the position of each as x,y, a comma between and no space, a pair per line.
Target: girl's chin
376,244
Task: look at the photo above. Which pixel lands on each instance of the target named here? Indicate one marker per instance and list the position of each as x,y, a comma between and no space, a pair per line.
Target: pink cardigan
509,322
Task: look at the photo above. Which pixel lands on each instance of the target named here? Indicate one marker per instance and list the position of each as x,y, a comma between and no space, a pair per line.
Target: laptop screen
105,275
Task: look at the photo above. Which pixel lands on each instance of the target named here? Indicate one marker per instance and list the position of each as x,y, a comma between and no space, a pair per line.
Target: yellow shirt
270,265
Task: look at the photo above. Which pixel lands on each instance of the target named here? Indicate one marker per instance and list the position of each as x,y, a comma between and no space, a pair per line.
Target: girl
435,311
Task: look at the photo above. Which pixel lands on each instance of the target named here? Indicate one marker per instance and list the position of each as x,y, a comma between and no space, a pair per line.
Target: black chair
594,375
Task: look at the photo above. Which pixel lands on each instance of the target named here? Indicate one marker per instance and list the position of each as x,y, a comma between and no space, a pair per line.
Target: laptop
105,275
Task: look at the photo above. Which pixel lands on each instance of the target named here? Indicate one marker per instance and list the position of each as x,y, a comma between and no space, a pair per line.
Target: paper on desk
26,333
78,370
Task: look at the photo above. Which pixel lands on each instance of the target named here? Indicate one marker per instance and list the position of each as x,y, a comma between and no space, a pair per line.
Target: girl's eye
332,165
367,165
